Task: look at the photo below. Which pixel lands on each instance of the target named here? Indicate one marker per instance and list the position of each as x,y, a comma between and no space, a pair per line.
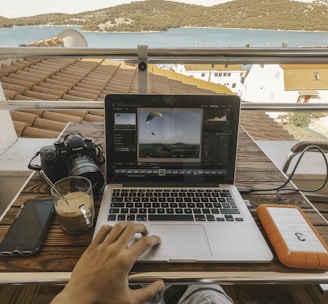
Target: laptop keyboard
173,204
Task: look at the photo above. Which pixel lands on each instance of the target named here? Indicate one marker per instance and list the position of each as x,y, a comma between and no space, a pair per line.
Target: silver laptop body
170,164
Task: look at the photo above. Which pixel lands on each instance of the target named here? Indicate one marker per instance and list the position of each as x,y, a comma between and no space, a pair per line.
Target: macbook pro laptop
170,164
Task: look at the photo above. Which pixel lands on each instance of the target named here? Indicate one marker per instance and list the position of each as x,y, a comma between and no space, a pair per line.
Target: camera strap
100,156
34,166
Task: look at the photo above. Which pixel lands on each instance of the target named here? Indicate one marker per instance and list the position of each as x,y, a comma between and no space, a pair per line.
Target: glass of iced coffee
74,204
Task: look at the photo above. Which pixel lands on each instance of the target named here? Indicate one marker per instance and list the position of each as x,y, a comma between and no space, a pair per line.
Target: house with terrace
295,83
229,75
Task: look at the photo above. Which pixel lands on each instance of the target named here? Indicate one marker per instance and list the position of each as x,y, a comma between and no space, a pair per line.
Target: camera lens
85,166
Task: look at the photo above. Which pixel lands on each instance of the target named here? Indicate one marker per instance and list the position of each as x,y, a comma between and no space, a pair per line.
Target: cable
282,187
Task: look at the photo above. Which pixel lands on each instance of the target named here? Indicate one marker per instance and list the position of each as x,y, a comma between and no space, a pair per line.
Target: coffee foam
75,200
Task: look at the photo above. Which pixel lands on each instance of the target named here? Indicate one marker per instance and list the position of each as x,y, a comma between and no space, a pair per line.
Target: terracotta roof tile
78,93
263,127
97,112
38,133
42,72
28,118
23,97
60,117
53,64
32,75
23,83
13,87
51,86
19,127
122,80
79,113
10,94
47,90
92,79
92,90
93,118
6,69
21,64
52,42
37,112
43,69
60,82
18,75
160,83
74,75
46,124
75,98
39,95
92,83
28,61
64,78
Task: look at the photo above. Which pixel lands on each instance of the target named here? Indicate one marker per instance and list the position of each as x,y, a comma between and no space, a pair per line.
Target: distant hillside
159,15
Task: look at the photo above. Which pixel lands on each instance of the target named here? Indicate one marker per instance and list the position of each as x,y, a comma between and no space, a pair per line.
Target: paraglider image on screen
169,135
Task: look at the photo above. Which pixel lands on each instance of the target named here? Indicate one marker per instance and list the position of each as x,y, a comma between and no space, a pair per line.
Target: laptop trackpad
181,241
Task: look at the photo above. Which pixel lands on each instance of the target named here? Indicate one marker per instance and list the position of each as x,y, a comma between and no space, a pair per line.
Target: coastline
253,29
182,37
168,29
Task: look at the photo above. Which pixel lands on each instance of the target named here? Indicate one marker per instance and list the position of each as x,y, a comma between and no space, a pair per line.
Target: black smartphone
29,228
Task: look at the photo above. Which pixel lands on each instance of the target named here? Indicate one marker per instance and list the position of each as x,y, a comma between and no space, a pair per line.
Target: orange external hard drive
295,240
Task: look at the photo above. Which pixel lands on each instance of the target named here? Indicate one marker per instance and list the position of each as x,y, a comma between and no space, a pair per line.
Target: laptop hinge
169,185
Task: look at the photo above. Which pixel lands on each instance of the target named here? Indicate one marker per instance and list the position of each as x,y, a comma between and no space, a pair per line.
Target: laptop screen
171,138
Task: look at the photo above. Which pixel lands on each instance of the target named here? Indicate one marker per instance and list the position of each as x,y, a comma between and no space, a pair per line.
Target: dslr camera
73,155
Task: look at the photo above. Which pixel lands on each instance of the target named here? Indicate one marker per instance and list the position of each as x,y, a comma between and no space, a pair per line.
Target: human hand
101,274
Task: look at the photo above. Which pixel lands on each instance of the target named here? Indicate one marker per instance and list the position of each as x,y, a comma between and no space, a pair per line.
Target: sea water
172,38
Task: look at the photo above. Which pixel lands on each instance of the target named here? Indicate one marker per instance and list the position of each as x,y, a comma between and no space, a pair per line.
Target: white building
231,76
279,83
299,83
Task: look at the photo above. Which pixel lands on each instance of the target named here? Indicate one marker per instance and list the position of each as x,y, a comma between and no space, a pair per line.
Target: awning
308,93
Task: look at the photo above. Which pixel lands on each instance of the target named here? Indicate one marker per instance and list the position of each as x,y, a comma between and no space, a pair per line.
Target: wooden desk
61,251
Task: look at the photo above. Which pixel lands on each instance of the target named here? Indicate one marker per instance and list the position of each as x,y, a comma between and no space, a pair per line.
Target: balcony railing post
143,68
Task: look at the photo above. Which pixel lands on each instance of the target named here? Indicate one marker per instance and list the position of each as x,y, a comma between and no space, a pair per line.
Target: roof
92,79
301,77
55,41
213,67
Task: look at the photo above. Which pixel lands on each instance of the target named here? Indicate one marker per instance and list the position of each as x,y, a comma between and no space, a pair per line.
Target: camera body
74,155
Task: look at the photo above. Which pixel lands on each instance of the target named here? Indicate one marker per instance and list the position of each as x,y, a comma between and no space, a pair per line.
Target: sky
23,8
172,127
